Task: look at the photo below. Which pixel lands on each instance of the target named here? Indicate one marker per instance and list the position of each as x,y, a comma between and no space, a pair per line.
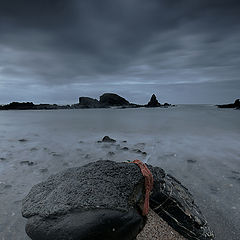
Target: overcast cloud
184,51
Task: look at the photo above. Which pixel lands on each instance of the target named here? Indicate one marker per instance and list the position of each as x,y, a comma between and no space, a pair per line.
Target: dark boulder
98,201
89,102
175,204
108,139
236,104
103,200
153,102
112,99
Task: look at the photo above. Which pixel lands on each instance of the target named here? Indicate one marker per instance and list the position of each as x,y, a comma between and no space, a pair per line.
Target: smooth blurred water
198,144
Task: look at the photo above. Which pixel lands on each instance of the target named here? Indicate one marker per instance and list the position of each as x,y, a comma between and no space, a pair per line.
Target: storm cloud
184,51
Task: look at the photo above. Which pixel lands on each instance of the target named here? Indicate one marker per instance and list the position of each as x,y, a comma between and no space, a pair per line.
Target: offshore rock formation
104,200
20,106
153,102
31,106
107,100
112,99
236,104
89,102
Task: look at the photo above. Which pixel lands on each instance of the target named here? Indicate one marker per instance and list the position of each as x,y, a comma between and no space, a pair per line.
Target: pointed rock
153,102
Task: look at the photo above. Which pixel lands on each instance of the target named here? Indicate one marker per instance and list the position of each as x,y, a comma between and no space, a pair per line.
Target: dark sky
184,51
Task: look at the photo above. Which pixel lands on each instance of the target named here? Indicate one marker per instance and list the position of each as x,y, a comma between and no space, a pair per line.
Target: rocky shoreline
235,105
107,100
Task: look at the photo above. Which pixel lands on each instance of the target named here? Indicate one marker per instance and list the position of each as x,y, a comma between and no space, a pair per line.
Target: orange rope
148,184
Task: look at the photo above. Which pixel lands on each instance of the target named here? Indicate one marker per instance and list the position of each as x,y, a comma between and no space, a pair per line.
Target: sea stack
153,102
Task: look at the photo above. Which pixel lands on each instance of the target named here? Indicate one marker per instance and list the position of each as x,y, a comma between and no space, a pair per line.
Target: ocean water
198,144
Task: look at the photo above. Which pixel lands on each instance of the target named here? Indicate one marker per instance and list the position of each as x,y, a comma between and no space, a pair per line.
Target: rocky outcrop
112,99
88,102
167,105
104,200
51,106
107,100
31,106
153,102
236,104
19,106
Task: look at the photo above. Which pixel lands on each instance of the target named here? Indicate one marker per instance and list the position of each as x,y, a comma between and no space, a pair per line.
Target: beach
156,229
197,144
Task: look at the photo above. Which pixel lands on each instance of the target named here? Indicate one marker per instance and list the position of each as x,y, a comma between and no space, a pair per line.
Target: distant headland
107,100
236,105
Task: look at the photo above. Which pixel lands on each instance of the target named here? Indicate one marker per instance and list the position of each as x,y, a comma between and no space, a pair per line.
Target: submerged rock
103,200
125,148
108,139
22,140
26,162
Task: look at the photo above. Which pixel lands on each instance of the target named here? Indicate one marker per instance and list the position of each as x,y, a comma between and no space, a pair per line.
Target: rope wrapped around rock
148,184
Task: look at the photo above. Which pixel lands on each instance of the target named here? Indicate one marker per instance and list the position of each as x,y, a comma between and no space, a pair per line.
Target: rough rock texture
89,102
175,204
103,200
112,99
153,102
100,200
236,104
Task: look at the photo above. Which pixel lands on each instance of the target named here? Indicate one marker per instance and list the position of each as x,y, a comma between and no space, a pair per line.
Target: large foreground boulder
104,200
98,201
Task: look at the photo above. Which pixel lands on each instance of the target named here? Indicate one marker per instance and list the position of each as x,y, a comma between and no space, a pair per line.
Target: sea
197,144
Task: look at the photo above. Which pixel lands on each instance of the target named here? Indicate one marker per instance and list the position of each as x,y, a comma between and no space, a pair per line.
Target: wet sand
156,229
